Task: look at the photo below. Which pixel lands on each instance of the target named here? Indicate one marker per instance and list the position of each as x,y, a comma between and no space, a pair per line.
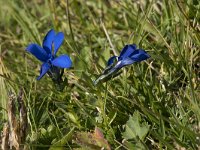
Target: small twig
109,40
69,23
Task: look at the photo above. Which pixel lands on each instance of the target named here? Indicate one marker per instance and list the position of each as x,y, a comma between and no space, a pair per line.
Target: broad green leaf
59,145
135,128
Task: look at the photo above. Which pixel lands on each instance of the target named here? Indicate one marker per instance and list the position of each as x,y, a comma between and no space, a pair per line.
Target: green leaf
135,128
59,145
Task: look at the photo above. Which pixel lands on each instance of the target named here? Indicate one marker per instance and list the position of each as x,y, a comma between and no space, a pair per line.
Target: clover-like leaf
135,127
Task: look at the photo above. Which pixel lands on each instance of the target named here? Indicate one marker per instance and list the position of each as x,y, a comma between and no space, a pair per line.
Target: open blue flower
47,53
129,55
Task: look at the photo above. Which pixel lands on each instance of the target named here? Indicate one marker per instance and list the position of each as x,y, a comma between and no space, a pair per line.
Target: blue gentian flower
129,55
47,54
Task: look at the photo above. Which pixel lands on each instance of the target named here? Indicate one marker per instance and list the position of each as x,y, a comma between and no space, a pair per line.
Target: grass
151,105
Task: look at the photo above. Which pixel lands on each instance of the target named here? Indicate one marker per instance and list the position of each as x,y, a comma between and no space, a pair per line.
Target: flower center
49,61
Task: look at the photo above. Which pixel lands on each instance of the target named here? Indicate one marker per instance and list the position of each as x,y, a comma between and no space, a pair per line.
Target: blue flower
47,53
129,55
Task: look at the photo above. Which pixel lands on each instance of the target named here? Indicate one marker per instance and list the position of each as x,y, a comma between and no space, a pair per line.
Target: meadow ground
153,104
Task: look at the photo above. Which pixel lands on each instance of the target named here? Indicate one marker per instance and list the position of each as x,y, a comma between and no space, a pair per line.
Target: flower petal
48,41
44,69
139,55
127,51
124,62
62,61
38,52
111,60
58,39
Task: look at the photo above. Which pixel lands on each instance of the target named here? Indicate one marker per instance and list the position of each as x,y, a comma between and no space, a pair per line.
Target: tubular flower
47,54
129,55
